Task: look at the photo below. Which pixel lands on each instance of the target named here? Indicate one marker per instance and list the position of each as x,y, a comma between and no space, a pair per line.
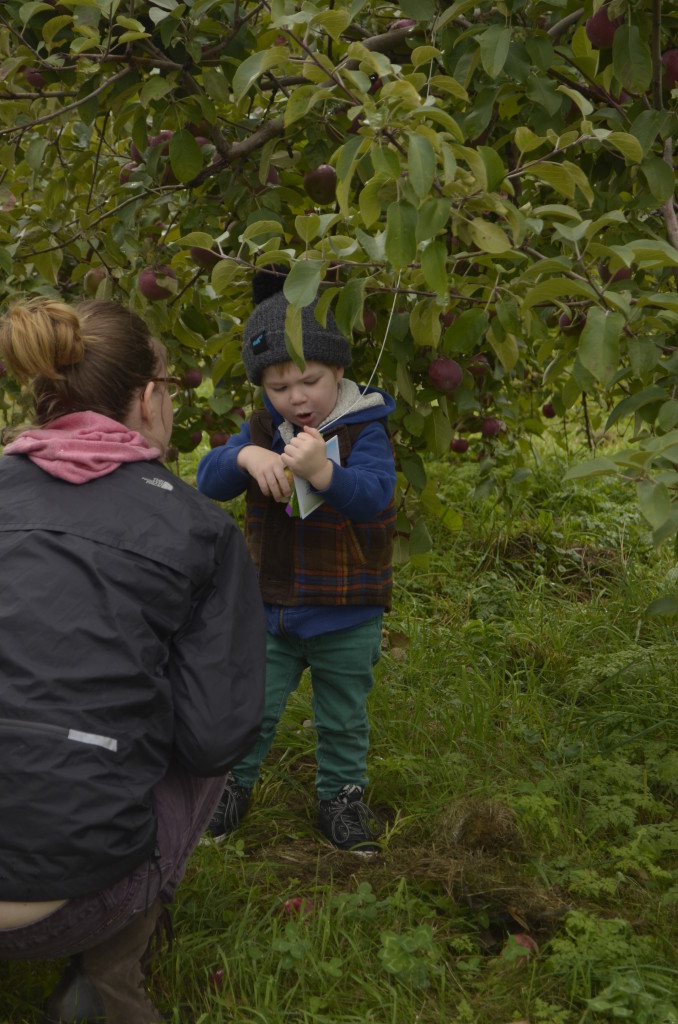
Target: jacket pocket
353,544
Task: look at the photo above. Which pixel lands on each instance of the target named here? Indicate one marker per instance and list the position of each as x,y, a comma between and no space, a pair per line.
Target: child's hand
267,468
307,457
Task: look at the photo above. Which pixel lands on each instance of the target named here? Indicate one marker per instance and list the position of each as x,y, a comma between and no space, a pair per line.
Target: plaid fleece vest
325,559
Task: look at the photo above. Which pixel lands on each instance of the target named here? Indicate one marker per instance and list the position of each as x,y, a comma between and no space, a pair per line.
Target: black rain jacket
131,632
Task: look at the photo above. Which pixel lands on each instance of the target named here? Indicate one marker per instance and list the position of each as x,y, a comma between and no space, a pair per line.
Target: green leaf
349,307
253,67
654,502
405,385
629,405
433,265
599,344
53,26
506,349
556,288
421,164
369,200
631,59
35,152
494,47
307,226
347,161
414,470
425,322
660,178
660,606
420,544
424,54
401,225
527,141
302,282
48,264
293,334
216,85
595,467
154,88
494,167
432,217
488,237
627,144
466,331
223,275
555,175
260,228
438,431
333,22
185,156
302,100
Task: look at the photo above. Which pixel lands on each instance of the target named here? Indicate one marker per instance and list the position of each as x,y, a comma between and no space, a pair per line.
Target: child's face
304,398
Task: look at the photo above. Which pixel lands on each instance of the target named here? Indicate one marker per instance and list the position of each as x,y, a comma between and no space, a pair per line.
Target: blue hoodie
360,490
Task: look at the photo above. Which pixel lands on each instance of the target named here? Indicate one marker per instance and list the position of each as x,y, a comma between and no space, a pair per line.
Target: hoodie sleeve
217,666
218,474
363,488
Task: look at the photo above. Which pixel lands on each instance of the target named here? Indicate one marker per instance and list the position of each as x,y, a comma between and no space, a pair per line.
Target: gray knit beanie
264,332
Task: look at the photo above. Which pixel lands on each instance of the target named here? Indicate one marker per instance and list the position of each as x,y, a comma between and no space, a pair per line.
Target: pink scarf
82,446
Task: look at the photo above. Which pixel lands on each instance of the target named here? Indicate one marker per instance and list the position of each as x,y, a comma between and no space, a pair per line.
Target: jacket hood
82,446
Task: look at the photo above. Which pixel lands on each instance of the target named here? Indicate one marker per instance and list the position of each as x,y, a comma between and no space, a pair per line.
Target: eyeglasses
172,384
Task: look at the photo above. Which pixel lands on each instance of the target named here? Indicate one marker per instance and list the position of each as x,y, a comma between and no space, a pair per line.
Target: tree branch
67,108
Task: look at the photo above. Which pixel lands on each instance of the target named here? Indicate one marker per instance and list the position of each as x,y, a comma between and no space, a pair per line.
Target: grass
524,763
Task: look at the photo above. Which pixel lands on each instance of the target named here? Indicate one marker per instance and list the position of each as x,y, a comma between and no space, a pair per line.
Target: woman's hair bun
268,282
39,337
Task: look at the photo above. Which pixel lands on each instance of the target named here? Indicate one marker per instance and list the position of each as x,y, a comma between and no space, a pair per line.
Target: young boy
326,579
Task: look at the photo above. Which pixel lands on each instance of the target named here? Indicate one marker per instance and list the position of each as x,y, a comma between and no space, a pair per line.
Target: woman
133,640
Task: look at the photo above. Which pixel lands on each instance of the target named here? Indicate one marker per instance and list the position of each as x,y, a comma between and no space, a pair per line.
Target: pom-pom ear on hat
268,282
264,332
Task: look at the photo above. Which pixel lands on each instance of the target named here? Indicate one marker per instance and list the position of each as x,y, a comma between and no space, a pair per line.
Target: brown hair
92,356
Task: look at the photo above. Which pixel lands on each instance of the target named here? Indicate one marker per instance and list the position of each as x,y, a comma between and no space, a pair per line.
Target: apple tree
483,193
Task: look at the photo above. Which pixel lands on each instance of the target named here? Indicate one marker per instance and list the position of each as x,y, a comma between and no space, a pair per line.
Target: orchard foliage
473,182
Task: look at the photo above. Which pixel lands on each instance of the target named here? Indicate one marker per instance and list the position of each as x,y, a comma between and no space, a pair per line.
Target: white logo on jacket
155,481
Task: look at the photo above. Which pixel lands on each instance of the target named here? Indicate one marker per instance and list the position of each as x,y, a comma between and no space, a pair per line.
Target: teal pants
341,667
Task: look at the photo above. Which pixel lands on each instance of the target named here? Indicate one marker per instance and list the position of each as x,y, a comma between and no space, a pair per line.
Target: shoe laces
350,815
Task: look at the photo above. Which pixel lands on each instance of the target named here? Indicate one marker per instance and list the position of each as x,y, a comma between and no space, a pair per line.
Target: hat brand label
259,344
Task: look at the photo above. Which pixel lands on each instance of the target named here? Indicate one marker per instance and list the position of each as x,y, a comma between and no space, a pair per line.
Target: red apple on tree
459,445
321,184
445,374
192,378
548,411
206,258
161,139
34,78
623,274
126,171
491,426
93,279
150,287
369,320
670,62
479,365
218,438
601,30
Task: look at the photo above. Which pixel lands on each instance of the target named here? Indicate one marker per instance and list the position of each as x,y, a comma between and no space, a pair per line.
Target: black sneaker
348,822
230,810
